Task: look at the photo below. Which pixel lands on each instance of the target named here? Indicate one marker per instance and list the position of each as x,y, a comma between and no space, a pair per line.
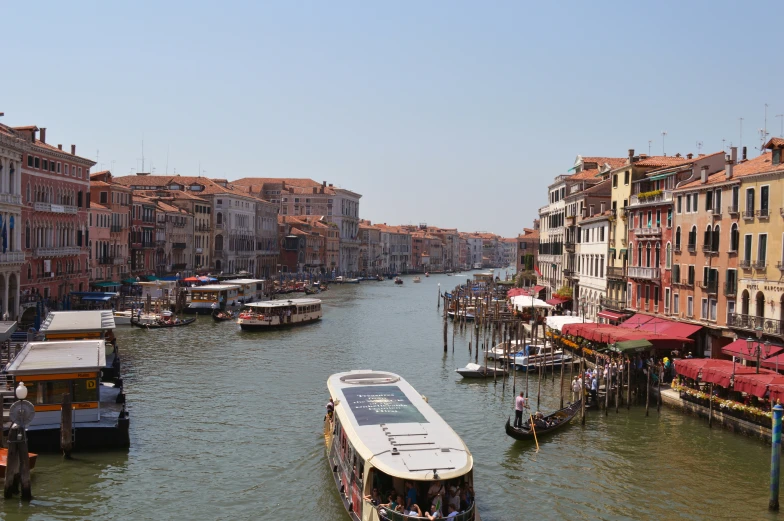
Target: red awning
740,349
679,328
557,300
722,375
516,292
774,362
776,393
537,289
757,384
692,367
635,321
611,315
608,334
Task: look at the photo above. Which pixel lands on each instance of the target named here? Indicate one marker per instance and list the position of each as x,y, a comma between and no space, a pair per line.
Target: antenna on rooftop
664,134
741,133
167,159
781,116
649,146
699,147
723,146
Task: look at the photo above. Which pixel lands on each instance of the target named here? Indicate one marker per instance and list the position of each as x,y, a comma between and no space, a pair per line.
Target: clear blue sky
452,113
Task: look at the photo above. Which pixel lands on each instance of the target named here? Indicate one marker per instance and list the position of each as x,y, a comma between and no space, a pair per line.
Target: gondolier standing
520,404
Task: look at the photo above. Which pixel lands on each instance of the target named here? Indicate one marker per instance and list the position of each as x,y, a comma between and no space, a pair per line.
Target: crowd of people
446,500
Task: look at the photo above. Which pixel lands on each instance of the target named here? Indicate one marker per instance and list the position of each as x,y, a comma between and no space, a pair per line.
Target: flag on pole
537,271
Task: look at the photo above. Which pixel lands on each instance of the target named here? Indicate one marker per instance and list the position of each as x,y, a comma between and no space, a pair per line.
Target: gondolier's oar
533,429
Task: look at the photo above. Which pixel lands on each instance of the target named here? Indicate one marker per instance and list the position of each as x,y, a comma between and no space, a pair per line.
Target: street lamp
756,347
20,391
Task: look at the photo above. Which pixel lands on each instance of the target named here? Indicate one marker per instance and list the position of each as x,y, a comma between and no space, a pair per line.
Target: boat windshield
392,497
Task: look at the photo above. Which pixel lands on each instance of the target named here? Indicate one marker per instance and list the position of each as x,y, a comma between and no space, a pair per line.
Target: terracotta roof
99,183
98,206
529,234
210,187
774,142
102,172
296,231
759,165
685,161
663,161
614,162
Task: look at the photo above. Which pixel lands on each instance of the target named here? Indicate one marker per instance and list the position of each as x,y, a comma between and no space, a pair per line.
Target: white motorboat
123,318
417,279
479,371
503,349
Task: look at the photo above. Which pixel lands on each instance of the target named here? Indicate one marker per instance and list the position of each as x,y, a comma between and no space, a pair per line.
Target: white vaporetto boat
383,434
271,314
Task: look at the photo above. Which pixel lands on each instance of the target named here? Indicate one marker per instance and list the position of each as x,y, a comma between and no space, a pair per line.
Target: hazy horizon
451,113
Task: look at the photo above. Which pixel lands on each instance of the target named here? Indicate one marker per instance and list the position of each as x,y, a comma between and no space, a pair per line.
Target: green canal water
228,425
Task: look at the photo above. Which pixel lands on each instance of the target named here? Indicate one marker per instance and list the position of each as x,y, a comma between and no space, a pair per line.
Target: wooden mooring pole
648,390
446,343
66,426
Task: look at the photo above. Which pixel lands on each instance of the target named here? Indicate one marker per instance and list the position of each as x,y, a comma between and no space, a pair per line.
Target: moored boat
479,371
545,424
31,456
383,434
123,318
164,324
417,279
272,314
398,280
222,316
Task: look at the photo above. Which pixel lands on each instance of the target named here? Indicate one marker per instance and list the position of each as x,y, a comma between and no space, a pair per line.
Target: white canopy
557,322
523,302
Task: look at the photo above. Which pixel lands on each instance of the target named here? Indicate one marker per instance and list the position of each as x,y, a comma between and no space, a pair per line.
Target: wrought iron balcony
609,303
662,197
780,265
569,246
178,245
710,286
115,228
733,209
730,288
763,213
707,248
769,326
745,264
759,264
748,215
692,248
676,248
716,211
570,273
640,272
616,272
105,260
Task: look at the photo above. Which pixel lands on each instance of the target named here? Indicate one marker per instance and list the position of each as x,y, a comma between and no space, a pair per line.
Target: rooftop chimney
704,174
60,147
734,153
42,135
323,183
631,156
689,155
73,150
744,153
728,167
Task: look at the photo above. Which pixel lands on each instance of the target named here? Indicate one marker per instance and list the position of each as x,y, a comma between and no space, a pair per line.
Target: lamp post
756,347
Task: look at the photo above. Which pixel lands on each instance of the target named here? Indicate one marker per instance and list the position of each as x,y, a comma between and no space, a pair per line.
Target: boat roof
243,281
215,287
78,321
7,328
284,303
394,429
59,356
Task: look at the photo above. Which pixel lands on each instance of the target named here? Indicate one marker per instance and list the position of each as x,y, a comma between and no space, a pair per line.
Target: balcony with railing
569,246
656,196
202,228
119,261
647,232
780,265
64,251
763,213
218,226
115,228
733,209
745,264
570,274
614,304
12,257
105,260
708,250
55,208
641,272
710,287
730,288
769,326
676,248
691,248
759,264
11,198
748,215
716,211
615,272
178,245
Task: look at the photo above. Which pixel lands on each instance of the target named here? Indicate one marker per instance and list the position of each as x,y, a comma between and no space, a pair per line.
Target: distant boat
398,280
417,279
479,371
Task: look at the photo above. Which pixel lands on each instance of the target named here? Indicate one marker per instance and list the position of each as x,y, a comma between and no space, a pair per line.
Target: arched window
28,192
715,238
734,238
648,255
219,218
27,234
707,238
693,239
658,255
668,256
759,307
639,254
678,238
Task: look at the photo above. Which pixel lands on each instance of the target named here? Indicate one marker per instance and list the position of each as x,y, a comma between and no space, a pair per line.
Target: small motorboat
398,280
122,318
417,279
222,316
427,274
545,425
479,371
4,460
165,324
380,278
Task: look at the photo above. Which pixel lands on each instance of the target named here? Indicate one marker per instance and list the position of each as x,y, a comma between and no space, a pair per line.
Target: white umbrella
558,321
523,302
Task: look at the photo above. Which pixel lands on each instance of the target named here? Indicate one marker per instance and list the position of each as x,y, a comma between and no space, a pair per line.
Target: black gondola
563,417
221,316
186,322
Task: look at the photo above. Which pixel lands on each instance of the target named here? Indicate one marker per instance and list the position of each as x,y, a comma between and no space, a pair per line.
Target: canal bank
228,425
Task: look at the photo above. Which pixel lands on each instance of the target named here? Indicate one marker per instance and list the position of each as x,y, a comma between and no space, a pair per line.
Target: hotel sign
766,286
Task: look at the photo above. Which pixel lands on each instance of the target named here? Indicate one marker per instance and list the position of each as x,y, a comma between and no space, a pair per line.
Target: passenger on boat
435,495
374,497
414,512
330,408
391,504
411,494
539,422
452,511
434,513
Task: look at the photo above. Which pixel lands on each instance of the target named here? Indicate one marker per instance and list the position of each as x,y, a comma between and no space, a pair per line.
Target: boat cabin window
458,492
48,392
